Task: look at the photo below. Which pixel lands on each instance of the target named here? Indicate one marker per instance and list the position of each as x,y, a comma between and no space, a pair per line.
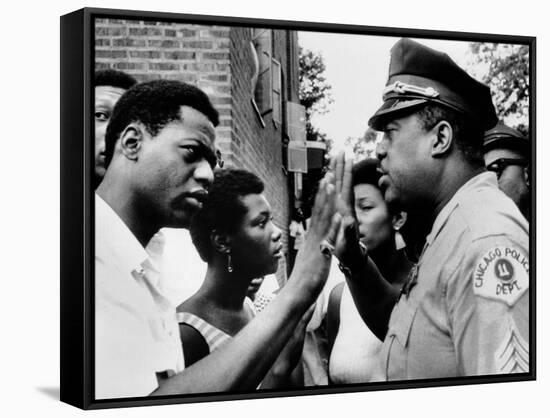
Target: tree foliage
365,146
506,71
315,96
315,92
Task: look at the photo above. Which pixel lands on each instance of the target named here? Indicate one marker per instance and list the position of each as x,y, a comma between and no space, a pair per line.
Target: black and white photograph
279,208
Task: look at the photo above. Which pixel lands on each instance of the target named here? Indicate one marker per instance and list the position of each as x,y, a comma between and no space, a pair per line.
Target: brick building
251,76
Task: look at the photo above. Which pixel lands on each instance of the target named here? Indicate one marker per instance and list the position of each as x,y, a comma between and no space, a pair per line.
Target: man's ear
444,136
131,140
221,242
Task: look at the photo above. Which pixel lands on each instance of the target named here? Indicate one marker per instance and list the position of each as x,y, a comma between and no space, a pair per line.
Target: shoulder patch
512,356
502,274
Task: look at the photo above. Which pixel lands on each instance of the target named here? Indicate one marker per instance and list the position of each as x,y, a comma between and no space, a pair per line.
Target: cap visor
520,145
392,106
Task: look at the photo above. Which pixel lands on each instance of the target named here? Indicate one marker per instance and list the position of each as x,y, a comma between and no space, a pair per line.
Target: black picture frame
77,210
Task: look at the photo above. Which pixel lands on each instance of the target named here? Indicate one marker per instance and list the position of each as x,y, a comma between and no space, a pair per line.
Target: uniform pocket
401,322
397,339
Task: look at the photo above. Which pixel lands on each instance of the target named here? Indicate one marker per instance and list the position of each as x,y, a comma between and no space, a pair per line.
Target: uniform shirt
467,308
136,331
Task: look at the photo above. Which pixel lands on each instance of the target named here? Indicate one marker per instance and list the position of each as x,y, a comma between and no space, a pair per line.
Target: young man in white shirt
160,156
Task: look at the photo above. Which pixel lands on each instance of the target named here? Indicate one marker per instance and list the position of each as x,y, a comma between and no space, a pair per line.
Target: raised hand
345,239
341,166
310,261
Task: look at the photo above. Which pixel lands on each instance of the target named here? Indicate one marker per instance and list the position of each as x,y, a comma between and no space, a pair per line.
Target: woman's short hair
224,210
366,172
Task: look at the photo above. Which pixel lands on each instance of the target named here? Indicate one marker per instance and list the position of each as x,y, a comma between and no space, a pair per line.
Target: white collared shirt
182,270
136,331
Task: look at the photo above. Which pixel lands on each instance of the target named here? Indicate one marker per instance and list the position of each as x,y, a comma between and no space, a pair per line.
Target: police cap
502,136
420,75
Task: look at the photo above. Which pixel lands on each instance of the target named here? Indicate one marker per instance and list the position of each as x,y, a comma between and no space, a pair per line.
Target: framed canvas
168,295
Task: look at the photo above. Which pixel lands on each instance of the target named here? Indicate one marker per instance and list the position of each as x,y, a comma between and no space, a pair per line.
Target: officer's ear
527,175
131,140
443,138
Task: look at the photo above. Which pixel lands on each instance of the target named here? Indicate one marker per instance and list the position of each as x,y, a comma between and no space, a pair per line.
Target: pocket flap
401,322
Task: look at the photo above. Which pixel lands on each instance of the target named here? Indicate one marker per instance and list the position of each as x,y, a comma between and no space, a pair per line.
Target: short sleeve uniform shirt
466,311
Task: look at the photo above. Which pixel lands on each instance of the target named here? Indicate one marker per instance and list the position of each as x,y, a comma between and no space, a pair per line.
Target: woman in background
353,347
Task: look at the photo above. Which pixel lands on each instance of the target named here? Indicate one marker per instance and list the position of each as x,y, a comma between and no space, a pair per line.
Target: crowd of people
427,245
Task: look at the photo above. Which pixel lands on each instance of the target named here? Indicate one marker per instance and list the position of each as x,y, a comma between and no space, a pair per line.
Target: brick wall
194,54
218,60
253,146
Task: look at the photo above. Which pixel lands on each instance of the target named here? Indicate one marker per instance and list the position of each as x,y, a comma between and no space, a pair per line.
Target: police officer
464,309
507,154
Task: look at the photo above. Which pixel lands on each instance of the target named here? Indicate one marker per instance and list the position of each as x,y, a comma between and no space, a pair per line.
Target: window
267,80
262,79
297,150
276,91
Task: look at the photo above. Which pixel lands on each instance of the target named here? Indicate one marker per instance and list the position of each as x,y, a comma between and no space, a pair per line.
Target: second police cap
502,136
420,75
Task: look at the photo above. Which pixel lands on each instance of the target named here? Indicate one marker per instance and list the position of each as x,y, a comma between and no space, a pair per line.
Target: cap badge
402,88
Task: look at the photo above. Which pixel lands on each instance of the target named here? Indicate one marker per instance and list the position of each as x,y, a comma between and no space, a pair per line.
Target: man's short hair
224,210
114,78
155,104
467,135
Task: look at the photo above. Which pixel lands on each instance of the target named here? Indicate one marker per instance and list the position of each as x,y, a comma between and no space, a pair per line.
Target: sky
357,69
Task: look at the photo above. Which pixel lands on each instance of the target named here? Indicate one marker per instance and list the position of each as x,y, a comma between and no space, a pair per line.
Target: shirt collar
114,240
485,179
